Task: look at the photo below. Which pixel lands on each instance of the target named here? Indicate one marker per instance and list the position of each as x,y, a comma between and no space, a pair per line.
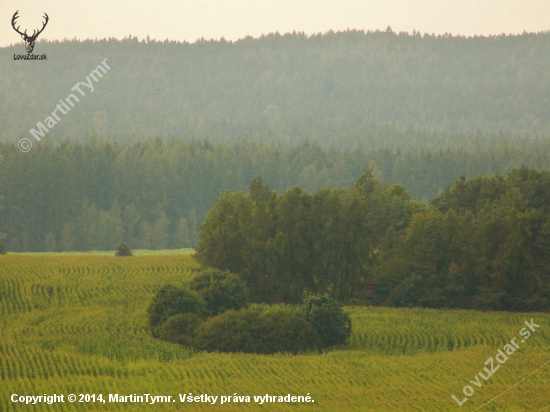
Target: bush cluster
221,290
213,315
171,301
123,249
254,330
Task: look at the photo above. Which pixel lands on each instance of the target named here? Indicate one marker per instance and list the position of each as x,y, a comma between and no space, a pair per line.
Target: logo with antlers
29,40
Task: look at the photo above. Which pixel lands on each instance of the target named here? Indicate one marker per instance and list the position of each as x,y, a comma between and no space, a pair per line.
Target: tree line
483,243
284,244
155,194
339,88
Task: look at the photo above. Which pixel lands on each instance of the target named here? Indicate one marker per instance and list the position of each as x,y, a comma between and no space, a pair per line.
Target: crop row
410,331
338,381
68,329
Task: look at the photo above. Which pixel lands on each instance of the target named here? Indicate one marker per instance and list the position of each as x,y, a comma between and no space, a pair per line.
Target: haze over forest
338,89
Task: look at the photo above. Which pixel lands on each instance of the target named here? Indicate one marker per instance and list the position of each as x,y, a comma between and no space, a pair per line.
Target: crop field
76,324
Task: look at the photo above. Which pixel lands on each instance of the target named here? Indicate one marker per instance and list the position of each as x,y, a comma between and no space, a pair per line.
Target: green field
76,323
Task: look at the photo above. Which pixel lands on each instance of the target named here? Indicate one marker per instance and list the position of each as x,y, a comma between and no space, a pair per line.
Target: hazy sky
234,19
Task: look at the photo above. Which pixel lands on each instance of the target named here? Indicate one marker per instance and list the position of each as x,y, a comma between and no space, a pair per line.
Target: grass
76,323
137,252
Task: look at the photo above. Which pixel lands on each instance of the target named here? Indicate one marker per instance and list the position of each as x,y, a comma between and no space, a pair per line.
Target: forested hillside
482,244
154,195
340,89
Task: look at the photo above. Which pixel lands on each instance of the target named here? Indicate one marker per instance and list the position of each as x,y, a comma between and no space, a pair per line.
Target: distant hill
340,89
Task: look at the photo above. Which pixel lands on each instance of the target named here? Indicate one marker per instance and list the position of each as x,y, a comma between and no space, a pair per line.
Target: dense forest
483,243
89,196
380,89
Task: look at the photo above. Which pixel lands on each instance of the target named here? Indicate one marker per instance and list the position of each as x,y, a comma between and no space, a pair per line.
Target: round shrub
232,331
180,328
222,290
286,331
330,322
170,301
255,331
123,249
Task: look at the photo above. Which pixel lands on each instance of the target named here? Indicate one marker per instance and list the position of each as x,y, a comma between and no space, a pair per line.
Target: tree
222,290
123,249
330,322
231,331
2,249
170,301
181,237
68,239
225,233
286,331
131,219
50,243
180,328
160,230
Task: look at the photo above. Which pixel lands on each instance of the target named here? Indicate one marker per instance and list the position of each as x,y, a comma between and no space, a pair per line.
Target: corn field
76,324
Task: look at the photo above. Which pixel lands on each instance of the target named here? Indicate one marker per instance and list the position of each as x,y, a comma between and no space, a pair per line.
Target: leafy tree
123,249
471,194
286,331
170,301
221,290
260,193
180,328
225,233
2,249
330,322
231,331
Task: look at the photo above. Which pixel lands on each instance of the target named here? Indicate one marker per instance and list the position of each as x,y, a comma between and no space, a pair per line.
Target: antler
43,25
34,33
15,17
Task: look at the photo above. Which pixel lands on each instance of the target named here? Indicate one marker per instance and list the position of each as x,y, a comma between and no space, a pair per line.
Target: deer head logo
29,40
